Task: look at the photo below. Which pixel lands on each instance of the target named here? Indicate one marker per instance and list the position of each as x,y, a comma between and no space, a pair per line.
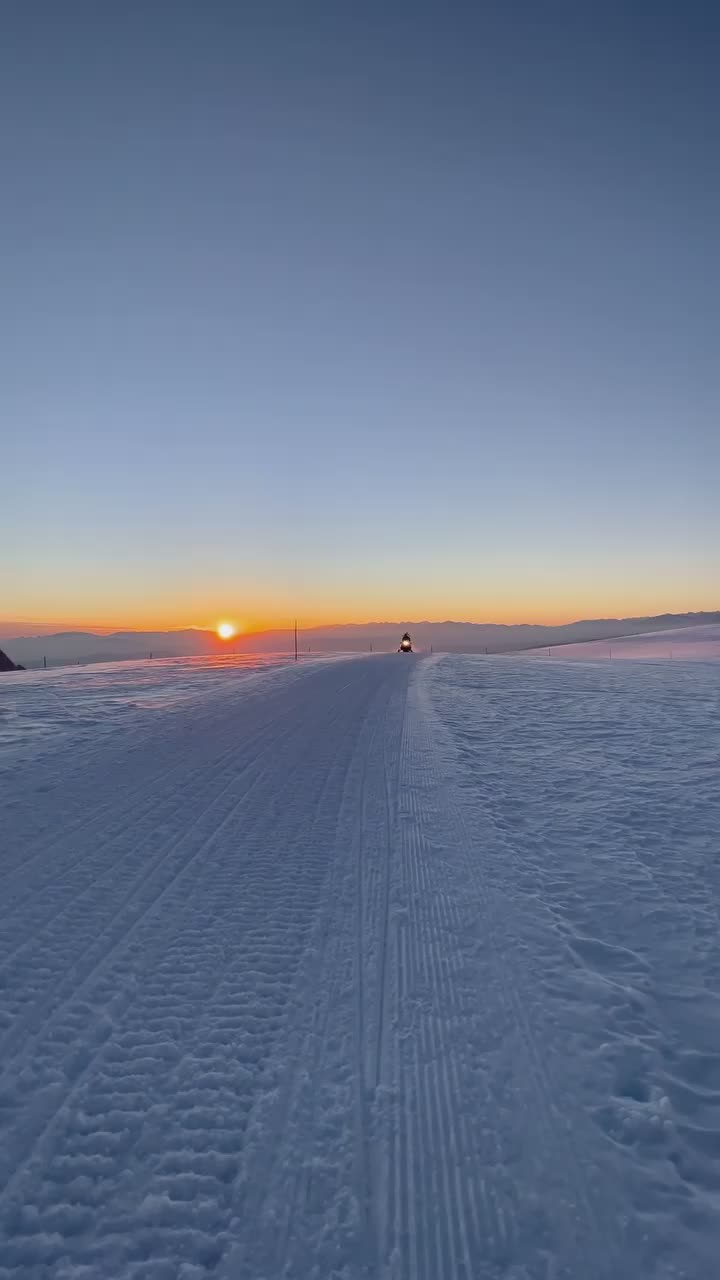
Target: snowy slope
96,702
680,643
383,967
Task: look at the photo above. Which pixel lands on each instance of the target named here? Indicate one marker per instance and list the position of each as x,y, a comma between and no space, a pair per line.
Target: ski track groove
98,817
317,1052
126,816
53,1128
315,1045
361,1143
289,1204
171,1138
77,990
222,776
46,1025
220,782
39,1013
435,1077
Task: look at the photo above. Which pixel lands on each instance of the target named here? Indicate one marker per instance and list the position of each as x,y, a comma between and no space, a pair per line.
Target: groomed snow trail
386,967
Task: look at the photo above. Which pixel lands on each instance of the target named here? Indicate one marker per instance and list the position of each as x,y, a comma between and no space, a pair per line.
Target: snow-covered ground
96,699
387,967
686,644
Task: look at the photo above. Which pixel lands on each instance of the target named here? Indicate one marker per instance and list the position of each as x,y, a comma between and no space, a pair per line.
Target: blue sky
359,310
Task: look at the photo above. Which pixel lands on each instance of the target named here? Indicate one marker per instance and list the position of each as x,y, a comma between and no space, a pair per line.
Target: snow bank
685,644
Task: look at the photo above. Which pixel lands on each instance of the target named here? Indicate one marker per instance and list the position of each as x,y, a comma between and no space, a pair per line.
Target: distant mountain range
449,637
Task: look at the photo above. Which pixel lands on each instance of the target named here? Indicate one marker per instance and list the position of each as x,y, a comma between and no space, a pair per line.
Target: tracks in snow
419,1132
149,1009
314,1183
277,999
487,1176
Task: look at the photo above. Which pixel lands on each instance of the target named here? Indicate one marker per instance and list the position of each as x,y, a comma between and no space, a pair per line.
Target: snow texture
382,967
701,644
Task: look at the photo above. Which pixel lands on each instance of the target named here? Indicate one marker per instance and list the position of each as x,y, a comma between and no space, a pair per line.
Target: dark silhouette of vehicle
405,644
7,665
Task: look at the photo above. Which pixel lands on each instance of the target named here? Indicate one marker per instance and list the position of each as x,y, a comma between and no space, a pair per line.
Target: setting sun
226,630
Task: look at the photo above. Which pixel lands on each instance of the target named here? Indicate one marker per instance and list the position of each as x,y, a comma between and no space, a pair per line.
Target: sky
358,311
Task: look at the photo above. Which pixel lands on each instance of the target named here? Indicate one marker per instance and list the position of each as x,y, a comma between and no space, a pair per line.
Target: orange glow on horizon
509,611
558,595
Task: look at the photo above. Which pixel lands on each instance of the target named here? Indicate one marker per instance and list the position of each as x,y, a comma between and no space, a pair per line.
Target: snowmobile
405,644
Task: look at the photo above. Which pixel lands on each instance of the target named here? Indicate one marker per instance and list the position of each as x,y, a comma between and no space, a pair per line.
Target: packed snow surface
384,967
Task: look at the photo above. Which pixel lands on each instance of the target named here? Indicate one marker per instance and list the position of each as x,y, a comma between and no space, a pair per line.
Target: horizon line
104,631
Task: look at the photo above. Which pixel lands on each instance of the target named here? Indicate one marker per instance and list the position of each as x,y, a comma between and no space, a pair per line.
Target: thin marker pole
296,648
